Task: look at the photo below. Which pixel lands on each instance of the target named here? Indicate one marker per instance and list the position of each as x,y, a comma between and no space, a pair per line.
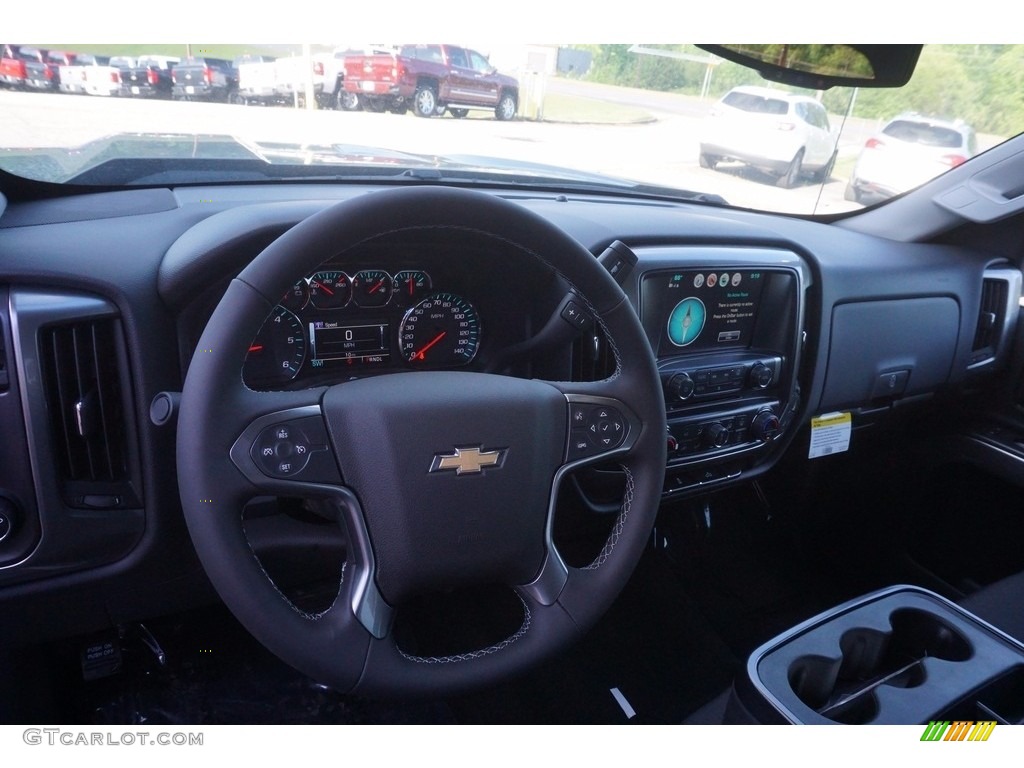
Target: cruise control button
284,450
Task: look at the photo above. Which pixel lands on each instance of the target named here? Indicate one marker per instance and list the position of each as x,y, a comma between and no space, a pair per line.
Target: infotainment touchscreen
702,310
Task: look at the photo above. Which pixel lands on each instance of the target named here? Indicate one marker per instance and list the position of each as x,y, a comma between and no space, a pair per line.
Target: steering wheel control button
579,415
579,445
595,429
286,449
575,316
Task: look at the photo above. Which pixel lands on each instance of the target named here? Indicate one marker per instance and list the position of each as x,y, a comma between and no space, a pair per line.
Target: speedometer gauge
278,351
443,329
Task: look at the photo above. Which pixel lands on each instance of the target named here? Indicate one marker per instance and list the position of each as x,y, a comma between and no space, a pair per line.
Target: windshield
667,120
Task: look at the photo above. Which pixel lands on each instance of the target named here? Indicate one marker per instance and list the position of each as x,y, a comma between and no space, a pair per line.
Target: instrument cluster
333,320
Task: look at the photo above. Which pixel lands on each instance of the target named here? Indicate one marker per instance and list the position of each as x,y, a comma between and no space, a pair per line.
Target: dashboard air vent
990,315
592,357
997,316
82,382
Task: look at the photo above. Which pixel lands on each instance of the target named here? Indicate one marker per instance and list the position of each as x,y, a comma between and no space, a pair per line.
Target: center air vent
592,356
81,375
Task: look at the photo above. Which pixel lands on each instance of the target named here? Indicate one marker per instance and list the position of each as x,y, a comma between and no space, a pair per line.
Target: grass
560,108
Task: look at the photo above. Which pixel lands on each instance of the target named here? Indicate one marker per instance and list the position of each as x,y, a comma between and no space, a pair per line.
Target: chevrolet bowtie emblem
468,460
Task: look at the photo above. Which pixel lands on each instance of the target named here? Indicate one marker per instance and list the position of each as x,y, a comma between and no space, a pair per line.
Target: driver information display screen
339,341
702,310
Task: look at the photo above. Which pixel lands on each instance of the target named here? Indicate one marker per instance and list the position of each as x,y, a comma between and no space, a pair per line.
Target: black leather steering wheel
373,450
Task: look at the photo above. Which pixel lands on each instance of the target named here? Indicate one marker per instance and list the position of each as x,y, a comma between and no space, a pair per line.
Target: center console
901,656
725,325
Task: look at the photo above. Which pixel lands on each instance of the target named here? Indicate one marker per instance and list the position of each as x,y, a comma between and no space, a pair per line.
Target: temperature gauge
329,290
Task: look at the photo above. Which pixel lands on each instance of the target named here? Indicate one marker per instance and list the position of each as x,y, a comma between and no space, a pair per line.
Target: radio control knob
765,426
680,386
761,375
716,435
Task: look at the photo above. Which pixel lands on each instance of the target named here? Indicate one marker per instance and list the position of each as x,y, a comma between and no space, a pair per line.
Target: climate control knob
761,375
680,386
765,426
716,435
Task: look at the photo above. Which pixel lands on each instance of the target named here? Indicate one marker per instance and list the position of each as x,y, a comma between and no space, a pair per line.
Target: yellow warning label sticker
830,434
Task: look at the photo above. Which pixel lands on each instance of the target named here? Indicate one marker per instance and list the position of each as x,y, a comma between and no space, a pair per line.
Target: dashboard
757,324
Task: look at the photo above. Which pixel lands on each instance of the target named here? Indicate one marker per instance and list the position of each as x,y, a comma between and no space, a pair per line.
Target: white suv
785,134
907,152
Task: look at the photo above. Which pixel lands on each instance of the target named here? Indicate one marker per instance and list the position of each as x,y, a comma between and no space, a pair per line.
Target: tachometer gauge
329,290
443,329
411,285
371,288
278,351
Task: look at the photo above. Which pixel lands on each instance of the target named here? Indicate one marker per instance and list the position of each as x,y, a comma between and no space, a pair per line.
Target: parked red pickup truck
12,64
431,79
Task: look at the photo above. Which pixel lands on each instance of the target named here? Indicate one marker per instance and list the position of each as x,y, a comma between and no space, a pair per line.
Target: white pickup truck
280,81
94,75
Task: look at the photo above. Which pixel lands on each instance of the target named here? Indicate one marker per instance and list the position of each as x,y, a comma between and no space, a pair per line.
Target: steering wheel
441,479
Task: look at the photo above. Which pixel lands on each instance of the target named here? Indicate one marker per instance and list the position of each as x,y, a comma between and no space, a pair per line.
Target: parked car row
429,79
788,136
31,68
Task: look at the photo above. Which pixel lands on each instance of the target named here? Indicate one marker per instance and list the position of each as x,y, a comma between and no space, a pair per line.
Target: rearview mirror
823,66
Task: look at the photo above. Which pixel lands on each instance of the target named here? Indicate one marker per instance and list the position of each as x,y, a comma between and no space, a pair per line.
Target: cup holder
843,689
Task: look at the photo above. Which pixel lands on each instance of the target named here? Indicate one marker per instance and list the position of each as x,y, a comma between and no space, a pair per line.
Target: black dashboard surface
161,260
